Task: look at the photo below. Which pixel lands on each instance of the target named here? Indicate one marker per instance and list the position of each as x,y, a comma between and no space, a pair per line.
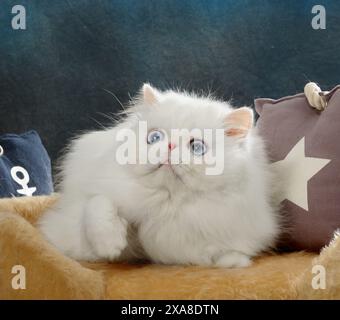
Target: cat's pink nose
171,146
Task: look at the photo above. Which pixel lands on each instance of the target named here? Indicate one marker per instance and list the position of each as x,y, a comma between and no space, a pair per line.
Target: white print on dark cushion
23,181
296,169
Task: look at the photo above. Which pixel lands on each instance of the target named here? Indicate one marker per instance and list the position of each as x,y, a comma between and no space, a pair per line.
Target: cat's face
190,140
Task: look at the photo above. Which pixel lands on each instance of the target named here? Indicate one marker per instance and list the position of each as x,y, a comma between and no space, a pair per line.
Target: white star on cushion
296,169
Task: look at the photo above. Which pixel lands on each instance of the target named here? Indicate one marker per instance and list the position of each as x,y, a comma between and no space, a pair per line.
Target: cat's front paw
233,259
106,232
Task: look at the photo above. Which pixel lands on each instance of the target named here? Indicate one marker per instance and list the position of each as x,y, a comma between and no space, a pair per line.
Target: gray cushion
304,147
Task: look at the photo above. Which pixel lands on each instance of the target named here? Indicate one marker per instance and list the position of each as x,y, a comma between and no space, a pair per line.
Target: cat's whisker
100,124
112,94
111,117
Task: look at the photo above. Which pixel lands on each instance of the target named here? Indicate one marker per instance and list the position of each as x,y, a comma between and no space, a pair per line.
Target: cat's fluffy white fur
179,214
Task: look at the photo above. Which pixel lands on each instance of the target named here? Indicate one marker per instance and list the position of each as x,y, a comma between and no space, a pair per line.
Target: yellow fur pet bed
51,275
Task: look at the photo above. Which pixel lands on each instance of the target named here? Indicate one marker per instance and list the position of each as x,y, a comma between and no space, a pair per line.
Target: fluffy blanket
50,275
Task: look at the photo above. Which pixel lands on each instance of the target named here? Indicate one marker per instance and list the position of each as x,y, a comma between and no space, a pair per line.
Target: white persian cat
172,213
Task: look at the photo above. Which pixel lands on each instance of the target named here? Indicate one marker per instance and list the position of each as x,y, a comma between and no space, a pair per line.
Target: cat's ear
150,94
239,122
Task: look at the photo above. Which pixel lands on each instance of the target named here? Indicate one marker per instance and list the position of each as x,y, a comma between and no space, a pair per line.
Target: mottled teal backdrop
52,75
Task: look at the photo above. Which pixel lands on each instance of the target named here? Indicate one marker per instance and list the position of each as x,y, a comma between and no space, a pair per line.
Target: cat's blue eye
155,136
197,147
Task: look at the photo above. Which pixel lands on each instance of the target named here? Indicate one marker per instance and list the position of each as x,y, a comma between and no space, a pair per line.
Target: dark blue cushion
25,167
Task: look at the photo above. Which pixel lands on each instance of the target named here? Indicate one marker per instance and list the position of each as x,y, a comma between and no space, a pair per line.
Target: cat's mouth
178,168
165,164
168,166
